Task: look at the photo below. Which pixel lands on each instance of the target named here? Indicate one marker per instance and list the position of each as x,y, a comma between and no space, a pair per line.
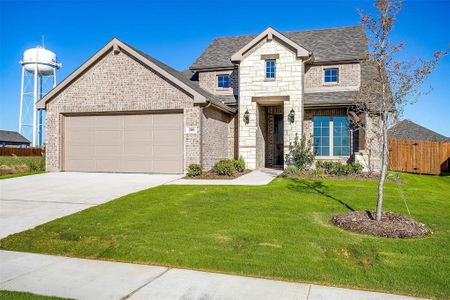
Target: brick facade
349,78
208,81
119,83
216,133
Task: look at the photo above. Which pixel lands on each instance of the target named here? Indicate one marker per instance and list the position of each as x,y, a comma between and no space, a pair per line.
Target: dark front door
278,133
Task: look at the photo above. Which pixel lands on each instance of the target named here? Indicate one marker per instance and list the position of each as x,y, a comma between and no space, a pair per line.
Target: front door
278,133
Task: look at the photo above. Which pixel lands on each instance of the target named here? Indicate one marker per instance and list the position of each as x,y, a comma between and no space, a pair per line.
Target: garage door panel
166,152
136,165
109,122
139,135
108,137
124,143
107,165
81,165
168,166
165,137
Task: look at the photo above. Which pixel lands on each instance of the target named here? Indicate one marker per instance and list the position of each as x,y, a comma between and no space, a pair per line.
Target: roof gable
117,45
327,45
269,34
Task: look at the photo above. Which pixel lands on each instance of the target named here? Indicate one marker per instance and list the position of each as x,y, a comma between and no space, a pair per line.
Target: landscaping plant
194,170
396,83
300,154
225,167
239,164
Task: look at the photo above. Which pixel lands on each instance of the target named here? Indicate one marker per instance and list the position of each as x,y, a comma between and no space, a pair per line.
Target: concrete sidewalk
93,279
256,177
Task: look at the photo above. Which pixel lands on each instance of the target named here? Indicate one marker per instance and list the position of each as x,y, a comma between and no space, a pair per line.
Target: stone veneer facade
253,86
119,83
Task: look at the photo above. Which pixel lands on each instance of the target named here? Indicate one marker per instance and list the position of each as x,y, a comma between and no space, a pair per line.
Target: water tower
39,67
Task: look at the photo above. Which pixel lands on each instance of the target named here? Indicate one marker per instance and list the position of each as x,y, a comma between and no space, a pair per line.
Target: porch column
247,132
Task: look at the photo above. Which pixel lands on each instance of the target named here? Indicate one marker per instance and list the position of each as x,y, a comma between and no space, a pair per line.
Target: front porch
270,136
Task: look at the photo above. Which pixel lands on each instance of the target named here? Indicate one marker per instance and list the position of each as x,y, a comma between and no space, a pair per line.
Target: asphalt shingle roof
183,77
408,130
327,45
12,136
329,98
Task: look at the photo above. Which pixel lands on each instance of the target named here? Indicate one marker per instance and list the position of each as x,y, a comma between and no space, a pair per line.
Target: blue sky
176,32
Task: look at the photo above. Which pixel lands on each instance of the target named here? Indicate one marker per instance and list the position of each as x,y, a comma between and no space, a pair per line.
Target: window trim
274,70
331,139
217,82
338,67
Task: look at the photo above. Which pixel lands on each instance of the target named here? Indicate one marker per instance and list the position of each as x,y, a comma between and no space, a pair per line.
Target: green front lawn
279,231
8,295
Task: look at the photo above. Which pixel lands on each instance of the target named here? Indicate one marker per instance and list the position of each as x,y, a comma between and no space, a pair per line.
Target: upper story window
331,75
270,68
223,81
331,136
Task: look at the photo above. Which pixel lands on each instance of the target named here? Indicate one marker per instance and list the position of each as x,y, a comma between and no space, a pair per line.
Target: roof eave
117,45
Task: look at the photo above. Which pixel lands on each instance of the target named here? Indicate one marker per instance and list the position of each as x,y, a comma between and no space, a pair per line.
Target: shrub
291,171
239,164
225,167
35,164
194,170
355,168
300,154
338,168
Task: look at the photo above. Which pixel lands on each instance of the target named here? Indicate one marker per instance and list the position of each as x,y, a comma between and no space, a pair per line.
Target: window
341,137
270,69
331,75
223,81
331,136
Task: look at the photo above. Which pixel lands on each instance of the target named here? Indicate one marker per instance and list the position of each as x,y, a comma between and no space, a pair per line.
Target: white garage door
124,143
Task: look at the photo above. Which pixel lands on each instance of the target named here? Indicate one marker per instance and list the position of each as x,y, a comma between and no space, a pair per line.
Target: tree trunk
384,164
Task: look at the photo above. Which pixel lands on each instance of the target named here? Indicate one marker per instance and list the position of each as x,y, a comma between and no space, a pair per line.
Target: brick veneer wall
349,78
119,83
215,133
208,81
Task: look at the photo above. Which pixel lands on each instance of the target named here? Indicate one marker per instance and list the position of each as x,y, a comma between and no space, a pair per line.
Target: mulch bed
392,225
212,175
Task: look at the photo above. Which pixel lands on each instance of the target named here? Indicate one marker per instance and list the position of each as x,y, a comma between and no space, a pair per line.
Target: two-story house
249,96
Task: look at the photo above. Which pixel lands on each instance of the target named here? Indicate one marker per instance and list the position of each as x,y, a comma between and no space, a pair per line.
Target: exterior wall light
291,116
246,117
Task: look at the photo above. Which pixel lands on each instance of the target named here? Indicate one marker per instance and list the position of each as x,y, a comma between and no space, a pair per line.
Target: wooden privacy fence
424,157
7,151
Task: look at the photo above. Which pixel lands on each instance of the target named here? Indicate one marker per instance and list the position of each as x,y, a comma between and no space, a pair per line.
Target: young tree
391,83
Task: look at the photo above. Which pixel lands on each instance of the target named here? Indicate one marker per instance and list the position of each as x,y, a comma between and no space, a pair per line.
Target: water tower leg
21,100
35,90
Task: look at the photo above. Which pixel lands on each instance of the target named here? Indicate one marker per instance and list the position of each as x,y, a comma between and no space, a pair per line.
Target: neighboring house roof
327,45
200,95
329,98
12,137
408,130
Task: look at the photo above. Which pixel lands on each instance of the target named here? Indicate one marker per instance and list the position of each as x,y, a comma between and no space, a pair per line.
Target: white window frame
331,144
274,70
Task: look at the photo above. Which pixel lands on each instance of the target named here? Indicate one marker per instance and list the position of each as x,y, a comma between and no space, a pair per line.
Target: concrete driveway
26,202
